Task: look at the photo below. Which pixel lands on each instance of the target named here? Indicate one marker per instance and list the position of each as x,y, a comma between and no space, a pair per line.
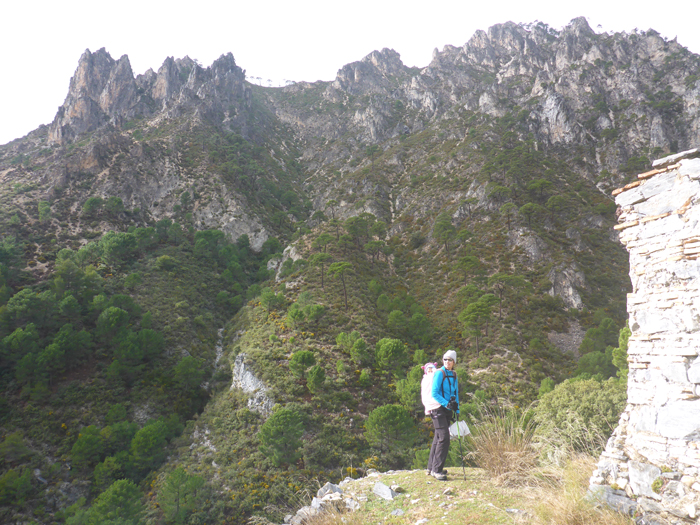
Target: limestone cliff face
104,91
600,101
101,91
615,94
372,74
105,99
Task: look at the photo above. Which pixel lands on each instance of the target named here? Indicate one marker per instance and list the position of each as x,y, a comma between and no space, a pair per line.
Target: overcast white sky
42,40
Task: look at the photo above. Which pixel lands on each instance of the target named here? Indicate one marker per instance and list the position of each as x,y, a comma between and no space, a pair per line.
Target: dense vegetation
105,360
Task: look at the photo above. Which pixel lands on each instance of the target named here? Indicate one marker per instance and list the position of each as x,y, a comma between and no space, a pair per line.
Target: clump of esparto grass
502,443
335,516
567,503
514,450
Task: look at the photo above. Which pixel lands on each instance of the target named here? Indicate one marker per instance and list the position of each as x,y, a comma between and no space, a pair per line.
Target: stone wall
651,464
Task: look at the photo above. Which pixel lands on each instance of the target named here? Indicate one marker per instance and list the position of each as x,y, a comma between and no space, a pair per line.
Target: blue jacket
445,380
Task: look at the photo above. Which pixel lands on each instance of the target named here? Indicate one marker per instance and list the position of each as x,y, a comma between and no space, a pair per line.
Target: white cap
450,354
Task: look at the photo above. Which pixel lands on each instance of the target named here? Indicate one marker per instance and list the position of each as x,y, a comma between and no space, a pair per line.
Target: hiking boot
440,476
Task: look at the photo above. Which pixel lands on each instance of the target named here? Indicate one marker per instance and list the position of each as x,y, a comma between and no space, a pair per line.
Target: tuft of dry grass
259,520
501,443
567,504
333,516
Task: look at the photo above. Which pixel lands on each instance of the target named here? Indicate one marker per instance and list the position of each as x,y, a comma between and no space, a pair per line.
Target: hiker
446,394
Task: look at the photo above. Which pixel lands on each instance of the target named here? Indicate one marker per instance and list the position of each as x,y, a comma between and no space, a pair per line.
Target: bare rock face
565,281
104,91
371,74
244,379
557,77
170,78
101,91
570,340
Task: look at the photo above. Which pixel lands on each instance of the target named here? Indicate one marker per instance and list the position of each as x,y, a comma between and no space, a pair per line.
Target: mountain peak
104,91
579,26
369,74
100,91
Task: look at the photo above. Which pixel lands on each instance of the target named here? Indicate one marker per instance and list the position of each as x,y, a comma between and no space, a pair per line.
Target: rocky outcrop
245,380
566,280
373,74
569,341
101,91
654,453
349,496
572,86
104,91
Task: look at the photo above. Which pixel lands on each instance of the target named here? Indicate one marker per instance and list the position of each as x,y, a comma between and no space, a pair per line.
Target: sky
42,40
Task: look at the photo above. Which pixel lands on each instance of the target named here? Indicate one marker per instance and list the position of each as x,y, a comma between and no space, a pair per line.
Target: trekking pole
461,454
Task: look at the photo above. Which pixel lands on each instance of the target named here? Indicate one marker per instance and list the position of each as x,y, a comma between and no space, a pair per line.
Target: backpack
449,378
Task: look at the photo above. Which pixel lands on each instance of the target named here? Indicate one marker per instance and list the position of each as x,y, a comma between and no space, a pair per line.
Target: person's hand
453,406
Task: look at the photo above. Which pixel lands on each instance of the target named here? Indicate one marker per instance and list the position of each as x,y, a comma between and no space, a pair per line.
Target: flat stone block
384,492
694,372
688,481
676,157
690,168
328,488
615,499
678,419
630,197
675,372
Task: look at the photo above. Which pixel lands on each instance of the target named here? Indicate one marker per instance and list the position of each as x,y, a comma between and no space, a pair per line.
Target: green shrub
359,354
391,354
365,379
120,503
178,497
165,262
13,449
390,427
15,487
585,405
301,361
280,436
87,450
316,378
133,280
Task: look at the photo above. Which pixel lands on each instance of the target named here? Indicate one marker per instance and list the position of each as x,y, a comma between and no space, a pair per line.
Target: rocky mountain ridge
104,91
604,104
613,99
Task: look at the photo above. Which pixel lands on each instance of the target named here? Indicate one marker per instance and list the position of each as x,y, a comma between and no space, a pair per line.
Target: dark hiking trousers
441,439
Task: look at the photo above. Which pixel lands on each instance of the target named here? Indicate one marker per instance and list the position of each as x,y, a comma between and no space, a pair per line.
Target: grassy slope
473,498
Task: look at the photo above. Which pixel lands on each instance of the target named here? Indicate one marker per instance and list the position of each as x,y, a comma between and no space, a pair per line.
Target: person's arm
437,383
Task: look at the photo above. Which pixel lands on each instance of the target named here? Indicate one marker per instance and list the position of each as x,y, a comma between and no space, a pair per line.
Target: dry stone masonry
651,464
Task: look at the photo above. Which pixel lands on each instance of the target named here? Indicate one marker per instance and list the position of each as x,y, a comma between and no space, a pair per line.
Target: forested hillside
169,231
